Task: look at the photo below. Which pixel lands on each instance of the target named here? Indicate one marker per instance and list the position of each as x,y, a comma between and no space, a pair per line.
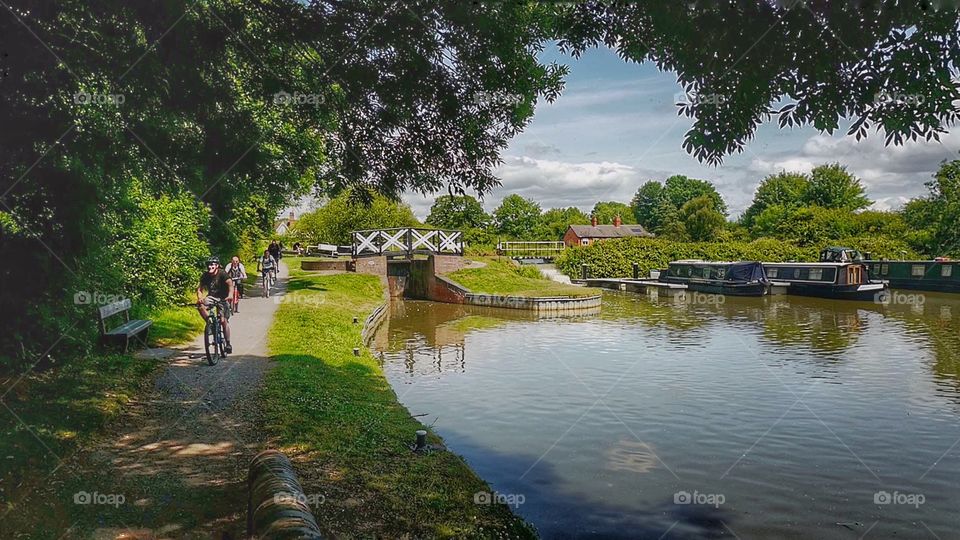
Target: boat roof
911,261
828,264
701,261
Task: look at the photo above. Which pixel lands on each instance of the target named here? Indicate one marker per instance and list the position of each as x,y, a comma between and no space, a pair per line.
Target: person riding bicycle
237,273
218,287
274,249
266,264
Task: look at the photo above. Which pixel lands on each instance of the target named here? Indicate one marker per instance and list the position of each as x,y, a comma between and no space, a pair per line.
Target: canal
776,417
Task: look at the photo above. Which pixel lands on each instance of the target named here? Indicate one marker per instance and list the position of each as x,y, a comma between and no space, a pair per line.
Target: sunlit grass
504,278
338,415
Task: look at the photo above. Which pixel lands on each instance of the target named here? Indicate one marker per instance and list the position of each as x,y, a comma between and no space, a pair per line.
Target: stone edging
550,304
373,321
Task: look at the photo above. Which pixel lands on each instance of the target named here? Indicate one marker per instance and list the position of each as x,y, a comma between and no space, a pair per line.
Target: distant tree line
824,206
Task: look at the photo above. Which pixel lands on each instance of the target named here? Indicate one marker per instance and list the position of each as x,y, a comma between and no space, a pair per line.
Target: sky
615,126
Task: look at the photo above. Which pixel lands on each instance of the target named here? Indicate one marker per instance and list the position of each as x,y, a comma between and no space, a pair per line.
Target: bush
615,258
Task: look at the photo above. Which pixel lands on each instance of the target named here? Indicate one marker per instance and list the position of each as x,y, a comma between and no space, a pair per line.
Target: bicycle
235,299
214,343
266,281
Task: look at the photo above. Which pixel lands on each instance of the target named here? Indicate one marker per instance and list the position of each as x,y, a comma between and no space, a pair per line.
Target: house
584,235
283,226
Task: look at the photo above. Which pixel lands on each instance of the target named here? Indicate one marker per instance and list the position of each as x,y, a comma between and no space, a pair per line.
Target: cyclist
274,250
266,264
237,273
218,287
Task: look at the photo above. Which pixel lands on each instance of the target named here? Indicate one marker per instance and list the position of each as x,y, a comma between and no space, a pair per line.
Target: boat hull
719,287
870,292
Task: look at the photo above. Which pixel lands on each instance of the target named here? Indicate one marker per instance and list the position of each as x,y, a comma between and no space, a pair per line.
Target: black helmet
213,259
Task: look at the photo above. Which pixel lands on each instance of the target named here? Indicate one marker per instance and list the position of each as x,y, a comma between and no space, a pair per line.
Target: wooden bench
126,330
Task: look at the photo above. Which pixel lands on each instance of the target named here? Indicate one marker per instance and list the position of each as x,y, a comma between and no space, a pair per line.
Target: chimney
616,221
593,220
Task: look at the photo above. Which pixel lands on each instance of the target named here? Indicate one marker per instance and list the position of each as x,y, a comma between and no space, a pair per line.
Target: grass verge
505,278
336,415
45,416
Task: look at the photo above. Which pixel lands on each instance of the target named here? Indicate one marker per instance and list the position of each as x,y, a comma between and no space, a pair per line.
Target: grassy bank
337,416
45,416
505,278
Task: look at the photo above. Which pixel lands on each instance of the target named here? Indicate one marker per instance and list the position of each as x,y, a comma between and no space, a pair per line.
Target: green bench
129,329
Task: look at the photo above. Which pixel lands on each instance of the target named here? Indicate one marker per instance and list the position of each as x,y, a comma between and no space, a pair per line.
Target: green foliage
517,217
333,222
658,206
701,219
461,212
935,219
831,186
605,211
555,221
784,189
614,258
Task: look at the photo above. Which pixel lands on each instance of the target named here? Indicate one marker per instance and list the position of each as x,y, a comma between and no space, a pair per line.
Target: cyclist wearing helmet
218,287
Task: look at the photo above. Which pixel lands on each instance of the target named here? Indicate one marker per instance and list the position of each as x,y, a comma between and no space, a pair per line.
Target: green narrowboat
941,275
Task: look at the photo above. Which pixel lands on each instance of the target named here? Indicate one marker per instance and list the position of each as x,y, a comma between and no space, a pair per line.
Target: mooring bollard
356,351
421,439
636,271
356,320
276,505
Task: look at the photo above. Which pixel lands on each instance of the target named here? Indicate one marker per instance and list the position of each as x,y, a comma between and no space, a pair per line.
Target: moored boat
727,278
840,274
940,275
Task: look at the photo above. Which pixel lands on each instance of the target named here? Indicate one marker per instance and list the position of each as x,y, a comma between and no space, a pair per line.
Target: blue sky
616,126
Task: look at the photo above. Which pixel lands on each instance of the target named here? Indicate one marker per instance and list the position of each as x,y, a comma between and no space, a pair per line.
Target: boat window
796,273
721,272
884,269
816,273
917,270
946,270
772,272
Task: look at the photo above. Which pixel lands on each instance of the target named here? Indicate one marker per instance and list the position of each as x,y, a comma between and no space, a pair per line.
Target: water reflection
796,410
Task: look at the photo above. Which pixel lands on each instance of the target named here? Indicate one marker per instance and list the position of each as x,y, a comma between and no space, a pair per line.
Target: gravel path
178,455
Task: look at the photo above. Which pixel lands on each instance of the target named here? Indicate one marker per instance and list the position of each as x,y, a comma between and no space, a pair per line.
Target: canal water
777,417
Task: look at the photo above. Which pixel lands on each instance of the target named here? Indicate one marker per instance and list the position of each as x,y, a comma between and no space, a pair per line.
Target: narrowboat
840,274
939,275
728,278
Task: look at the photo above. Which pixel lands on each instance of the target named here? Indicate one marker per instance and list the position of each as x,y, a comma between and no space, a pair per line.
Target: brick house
584,235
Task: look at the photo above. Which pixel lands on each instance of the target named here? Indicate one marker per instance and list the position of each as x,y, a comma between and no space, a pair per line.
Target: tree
936,217
333,222
517,217
556,220
701,220
889,65
606,211
457,212
831,186
679,190
646,205
784,189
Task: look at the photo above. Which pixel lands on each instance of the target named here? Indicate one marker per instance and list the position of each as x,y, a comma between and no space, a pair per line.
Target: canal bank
331,410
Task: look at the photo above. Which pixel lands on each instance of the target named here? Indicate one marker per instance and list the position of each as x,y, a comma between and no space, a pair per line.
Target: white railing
530,249
406,241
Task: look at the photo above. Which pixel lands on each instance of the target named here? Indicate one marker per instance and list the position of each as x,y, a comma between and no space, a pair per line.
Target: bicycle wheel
210,341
